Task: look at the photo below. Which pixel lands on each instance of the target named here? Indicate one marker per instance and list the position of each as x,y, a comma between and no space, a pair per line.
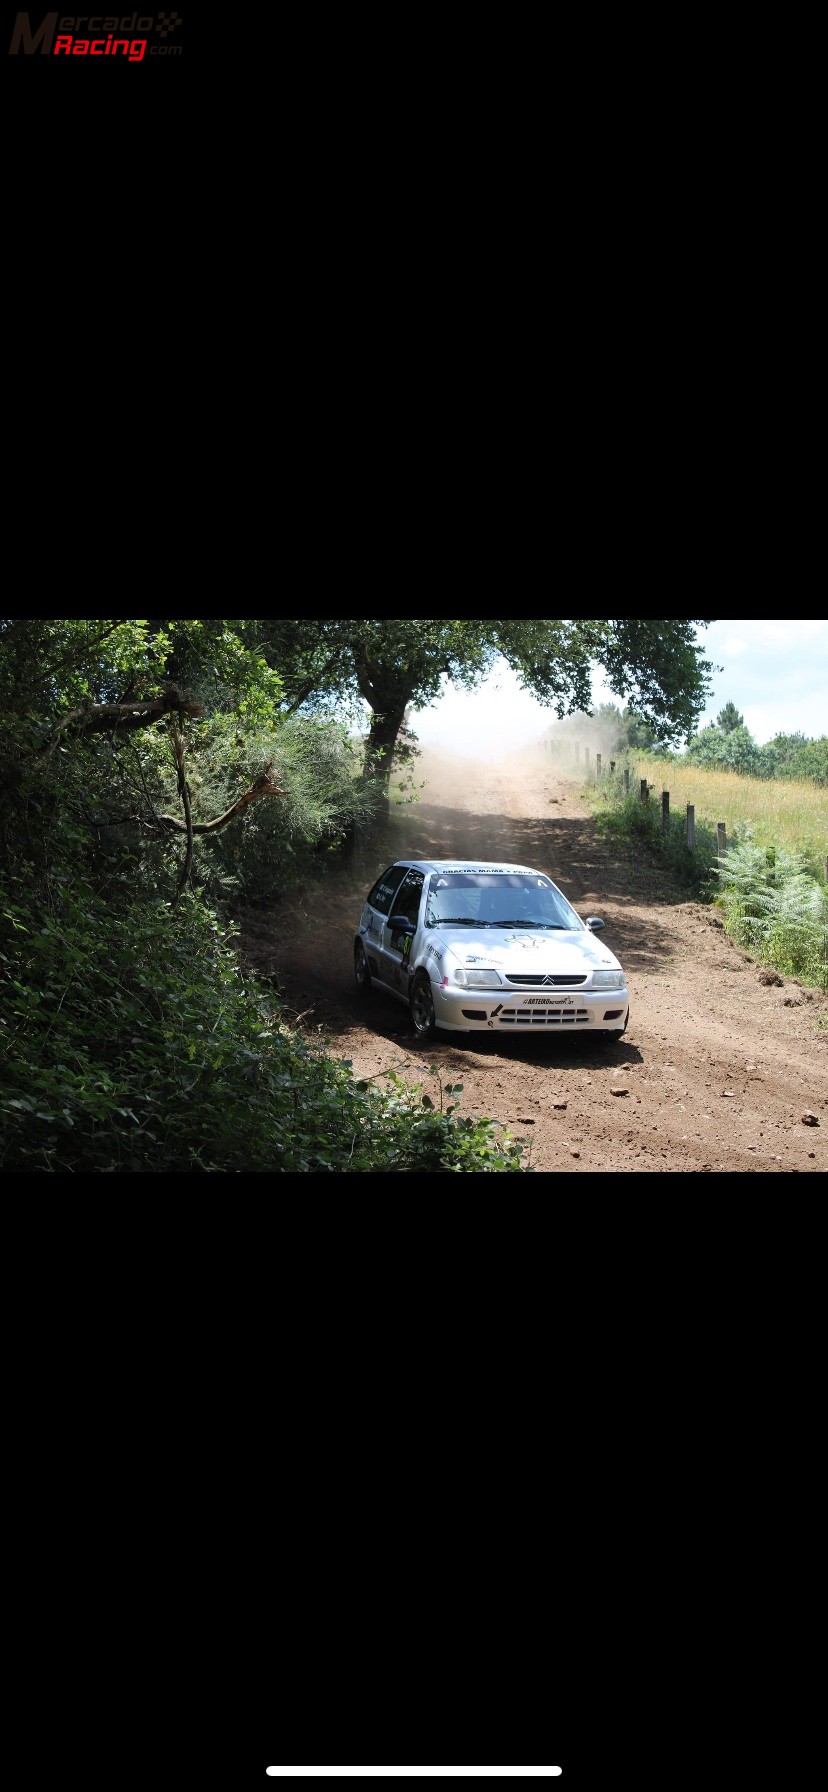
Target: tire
611,1036
421,1005
362,972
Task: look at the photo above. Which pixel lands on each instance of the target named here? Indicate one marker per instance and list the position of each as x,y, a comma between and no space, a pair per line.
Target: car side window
407,900
382,894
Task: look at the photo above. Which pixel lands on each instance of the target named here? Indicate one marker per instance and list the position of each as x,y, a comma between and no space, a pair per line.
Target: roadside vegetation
136,811
770,885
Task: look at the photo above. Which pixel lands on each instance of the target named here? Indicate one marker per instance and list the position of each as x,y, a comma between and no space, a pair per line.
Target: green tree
729,718
741,752
394,666
706,747
610,726
94,740
731,749
384,668
796,756
630,731
810,760
779,751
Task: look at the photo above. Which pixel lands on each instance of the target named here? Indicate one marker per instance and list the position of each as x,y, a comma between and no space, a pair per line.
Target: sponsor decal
480,870
547,1002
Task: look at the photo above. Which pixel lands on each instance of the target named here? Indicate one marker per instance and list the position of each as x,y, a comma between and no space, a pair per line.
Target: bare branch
94,718
266,785
178,749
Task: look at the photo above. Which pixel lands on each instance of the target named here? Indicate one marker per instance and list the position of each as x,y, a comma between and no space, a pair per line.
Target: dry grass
778,811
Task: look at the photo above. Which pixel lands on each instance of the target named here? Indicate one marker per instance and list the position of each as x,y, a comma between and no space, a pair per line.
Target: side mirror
401,924
594,924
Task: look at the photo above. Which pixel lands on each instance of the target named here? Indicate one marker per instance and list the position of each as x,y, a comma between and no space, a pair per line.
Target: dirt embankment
723,1065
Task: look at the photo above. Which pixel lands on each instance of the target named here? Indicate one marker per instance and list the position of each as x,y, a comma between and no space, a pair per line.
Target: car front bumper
480,1010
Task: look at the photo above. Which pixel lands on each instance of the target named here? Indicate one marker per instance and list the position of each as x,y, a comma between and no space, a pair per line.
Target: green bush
131,1037
731,748
809,761
626,818
133,1040
277,843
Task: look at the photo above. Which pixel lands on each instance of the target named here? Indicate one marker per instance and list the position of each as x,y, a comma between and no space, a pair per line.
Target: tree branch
311,684
264,786
95,718
178,749
80,649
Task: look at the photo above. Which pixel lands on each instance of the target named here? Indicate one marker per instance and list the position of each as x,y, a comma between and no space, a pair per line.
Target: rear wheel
421,1003
362,971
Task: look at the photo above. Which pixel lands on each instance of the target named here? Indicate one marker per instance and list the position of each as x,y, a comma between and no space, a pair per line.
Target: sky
776,673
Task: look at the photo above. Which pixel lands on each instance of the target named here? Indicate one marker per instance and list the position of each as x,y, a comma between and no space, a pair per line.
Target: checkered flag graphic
167,22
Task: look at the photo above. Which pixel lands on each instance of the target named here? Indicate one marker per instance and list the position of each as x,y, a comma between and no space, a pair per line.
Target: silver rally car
473,946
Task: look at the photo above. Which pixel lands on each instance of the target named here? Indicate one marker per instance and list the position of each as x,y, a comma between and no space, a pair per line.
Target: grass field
778,811
771,885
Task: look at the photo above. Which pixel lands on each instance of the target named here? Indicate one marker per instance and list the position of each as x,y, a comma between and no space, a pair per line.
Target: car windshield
498,899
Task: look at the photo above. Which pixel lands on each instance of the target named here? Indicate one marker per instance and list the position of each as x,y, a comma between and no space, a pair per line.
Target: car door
396,946
376,911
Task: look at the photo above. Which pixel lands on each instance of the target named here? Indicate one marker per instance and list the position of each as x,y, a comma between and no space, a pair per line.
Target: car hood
530,949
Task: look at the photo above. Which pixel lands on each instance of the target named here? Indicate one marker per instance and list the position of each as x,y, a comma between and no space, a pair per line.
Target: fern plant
774,908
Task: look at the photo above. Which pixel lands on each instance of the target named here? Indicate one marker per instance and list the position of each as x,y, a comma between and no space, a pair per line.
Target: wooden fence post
612,765
665,809
645,791
691,826
626,780
597,765
721,840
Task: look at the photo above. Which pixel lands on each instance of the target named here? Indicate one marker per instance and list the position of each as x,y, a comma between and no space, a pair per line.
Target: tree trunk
379,747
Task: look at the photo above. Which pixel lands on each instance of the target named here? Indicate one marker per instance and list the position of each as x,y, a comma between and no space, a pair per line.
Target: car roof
486,865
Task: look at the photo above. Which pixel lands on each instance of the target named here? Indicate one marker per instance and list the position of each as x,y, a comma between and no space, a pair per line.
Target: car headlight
476,979
608,980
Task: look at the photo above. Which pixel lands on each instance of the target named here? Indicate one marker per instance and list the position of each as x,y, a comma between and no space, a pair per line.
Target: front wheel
421,1003
605,1036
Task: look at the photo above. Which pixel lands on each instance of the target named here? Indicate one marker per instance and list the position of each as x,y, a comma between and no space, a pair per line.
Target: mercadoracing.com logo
98,35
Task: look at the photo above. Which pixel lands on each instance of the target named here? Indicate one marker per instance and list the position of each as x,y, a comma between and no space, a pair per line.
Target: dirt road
719,1068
